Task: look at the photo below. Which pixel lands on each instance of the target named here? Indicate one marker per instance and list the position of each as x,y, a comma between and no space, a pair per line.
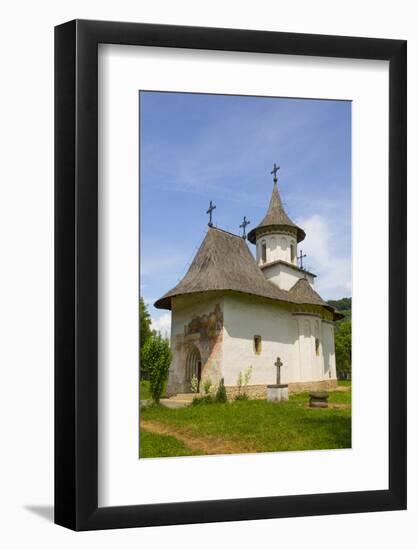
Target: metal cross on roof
278,363
243,226
274,171
210,212
300,257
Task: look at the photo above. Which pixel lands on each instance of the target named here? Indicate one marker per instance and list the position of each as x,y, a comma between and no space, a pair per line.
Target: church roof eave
283,262
166,301
277,227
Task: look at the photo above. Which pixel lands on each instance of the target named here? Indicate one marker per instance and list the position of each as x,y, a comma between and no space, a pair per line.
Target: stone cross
274,171
243,226
278,363
300,257
210,212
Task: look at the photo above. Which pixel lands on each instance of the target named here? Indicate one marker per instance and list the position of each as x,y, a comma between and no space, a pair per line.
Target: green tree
156,357
343,345
343,335
344,305
145,332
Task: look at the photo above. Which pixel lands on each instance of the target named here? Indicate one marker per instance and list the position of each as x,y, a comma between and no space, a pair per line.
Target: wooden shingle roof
224,262
276,217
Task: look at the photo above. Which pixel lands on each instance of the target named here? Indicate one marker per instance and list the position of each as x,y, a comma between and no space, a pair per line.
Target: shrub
239,382
221,396
247,375
157,356
207,386
243,380
194,384
204,400
241,397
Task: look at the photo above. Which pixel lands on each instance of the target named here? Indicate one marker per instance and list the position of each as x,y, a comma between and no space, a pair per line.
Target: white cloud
162,324
333,272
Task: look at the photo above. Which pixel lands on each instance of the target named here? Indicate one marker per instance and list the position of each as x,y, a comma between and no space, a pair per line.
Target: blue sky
199,147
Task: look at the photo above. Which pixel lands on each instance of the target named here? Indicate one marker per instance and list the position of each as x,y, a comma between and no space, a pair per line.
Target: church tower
276,239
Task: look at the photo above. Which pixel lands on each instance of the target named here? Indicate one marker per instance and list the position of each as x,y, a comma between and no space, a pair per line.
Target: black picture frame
76,272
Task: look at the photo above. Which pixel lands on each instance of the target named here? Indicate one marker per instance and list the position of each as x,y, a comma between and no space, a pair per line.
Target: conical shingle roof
302,290
276,216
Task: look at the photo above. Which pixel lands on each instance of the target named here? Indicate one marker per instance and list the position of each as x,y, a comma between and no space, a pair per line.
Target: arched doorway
193,366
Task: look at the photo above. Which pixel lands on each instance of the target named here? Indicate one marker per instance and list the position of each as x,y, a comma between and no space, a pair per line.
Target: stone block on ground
277,392
319,399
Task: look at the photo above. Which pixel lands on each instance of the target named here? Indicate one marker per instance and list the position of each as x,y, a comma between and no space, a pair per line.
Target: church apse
204,333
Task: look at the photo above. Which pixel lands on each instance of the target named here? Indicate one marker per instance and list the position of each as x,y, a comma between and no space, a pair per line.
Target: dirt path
207,445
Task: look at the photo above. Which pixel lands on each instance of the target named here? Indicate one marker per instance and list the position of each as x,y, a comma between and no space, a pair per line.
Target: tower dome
276,220
277,236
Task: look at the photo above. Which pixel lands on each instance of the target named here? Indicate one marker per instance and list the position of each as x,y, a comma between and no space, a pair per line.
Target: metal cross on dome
274,171
210,212
243,226
300,257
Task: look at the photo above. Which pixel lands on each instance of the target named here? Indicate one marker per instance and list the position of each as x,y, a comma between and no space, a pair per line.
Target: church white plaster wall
285,276
329,351
315,348
292,337
245,317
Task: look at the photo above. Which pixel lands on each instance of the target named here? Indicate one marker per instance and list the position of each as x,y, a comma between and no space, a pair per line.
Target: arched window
292,252
263,252
317,346
257,344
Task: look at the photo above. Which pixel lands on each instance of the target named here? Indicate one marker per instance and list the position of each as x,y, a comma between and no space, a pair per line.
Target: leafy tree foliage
156,357
343,305
145,332
343,346
343,335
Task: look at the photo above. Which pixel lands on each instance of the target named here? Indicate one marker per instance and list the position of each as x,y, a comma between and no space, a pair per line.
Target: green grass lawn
335,397
344,383
155,445
263,426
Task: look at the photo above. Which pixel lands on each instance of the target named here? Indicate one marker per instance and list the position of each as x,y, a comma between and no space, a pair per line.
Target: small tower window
292,252
317,346
257,344
263,252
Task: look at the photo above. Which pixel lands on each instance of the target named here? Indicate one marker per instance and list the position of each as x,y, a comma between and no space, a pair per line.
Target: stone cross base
277,392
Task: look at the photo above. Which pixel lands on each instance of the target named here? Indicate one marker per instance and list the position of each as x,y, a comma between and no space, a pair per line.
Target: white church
231,312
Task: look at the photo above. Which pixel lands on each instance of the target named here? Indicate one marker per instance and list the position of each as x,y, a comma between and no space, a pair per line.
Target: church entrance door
193,367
